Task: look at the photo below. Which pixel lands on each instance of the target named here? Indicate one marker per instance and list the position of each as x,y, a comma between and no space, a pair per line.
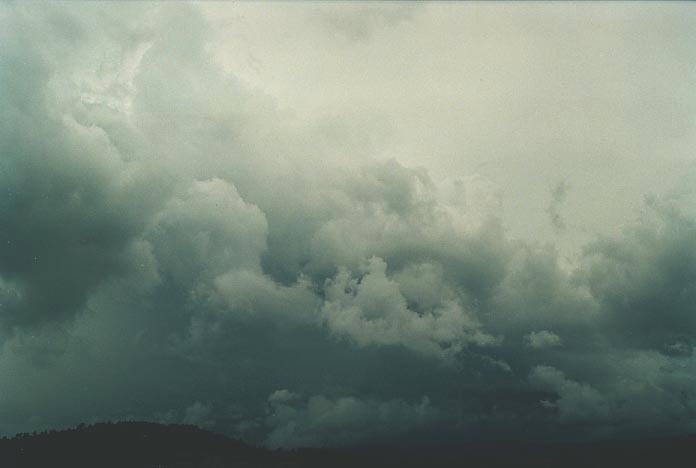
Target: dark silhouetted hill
149,445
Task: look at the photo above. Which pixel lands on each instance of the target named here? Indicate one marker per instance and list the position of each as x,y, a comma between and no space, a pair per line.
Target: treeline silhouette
150,445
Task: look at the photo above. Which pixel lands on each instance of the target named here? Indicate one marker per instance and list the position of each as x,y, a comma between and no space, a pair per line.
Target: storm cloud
179,244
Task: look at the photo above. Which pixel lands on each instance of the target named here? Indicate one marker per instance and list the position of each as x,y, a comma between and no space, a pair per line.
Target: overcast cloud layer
320,225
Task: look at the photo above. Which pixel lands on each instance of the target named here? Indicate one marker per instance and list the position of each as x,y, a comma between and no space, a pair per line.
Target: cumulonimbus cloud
168,230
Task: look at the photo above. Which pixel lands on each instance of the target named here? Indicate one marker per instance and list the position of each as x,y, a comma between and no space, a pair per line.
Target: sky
324,224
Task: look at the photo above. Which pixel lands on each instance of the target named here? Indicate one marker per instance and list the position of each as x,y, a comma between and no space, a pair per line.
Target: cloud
372,311
576,401
558,196
542,339
173,234
359,22
644,280
199,414
206,233
321,421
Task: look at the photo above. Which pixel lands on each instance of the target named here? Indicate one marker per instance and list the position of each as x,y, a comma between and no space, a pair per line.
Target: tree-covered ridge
151,445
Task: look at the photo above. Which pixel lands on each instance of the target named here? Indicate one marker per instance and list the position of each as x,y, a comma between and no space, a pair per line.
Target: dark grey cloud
558,196
321,421
644,281
70,207
177,247
358,22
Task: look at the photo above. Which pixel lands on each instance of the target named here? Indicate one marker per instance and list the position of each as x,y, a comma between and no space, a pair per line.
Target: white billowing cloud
371,310
538,292
388,209
424,285
321,421
246,292
576,401
542,339
199,414
207,232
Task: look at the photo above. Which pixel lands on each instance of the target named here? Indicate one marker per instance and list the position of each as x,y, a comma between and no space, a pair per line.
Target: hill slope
149,445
